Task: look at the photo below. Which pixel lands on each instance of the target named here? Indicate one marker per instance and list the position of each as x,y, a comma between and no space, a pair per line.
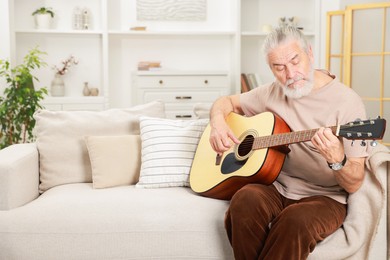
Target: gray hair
281,35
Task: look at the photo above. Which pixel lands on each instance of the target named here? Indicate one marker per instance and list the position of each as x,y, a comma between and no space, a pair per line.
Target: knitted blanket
354,239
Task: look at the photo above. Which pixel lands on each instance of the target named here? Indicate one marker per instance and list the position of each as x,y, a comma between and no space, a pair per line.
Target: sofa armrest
19,175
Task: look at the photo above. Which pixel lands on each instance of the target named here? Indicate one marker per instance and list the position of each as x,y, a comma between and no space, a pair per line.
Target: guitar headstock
364,129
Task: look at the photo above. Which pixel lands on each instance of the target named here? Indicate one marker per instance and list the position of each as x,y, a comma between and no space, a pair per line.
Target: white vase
57,86
86,91
43,21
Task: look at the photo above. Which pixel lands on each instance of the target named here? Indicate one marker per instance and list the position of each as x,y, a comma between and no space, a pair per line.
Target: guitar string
246,144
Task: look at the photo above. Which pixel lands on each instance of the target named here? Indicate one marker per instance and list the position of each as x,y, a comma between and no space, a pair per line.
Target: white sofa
61,199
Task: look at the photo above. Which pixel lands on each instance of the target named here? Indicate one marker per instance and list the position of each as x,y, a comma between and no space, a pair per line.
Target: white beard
298,91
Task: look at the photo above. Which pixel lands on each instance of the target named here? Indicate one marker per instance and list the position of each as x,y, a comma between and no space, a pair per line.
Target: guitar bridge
218,159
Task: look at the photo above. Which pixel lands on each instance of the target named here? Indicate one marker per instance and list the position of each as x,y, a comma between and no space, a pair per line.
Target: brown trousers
262,224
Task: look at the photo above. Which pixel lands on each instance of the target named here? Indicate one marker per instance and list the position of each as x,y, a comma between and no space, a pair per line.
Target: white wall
4,30
5,51
326,6
344,3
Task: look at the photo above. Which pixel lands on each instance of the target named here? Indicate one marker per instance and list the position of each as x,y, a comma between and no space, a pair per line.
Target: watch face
337,166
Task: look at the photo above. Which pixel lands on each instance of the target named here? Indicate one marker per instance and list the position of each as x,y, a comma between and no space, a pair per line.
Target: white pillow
115,160
202,110
168,149
63,155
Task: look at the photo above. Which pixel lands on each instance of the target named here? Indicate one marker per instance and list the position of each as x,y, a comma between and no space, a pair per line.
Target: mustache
293,80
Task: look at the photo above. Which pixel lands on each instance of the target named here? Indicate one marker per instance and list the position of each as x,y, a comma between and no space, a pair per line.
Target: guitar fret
276,140
302,135
296,137
286,138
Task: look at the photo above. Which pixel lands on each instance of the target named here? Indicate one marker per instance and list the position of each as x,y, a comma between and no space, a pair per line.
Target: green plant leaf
20,100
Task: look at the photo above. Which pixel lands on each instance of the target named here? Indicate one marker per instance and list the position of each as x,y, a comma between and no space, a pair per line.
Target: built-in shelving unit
228,40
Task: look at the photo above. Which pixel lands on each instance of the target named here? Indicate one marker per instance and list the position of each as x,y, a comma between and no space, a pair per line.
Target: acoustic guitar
260,155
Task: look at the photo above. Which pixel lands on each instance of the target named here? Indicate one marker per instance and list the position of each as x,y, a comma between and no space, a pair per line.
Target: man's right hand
222,137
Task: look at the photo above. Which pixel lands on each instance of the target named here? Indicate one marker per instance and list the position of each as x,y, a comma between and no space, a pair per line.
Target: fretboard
285,138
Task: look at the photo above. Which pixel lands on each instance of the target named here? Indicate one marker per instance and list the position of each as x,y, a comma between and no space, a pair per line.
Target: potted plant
43,17
20,99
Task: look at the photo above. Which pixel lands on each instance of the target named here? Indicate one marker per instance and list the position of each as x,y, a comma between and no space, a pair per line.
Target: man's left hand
328,145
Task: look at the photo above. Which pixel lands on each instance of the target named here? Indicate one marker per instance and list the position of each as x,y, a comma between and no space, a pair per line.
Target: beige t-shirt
305,172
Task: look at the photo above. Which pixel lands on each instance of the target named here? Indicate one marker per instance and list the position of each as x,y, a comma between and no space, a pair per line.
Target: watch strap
342,162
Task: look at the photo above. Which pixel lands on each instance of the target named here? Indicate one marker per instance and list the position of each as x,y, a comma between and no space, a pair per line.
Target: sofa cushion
115,160
75,221
168,149
60,139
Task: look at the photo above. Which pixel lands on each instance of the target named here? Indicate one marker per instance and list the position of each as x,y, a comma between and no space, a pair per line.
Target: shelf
171,33
180,72
261,34
71,100
53,31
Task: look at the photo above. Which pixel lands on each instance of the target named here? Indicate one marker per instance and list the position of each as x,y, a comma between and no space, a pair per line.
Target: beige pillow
63,155
115,160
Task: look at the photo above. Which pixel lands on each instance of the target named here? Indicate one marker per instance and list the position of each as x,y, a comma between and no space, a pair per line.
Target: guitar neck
286,138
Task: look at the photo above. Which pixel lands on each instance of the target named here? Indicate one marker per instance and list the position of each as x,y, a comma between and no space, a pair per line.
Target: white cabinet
229,40
180,90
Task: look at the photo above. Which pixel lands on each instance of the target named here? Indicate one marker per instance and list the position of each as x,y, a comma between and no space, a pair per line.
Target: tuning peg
363,143
373,143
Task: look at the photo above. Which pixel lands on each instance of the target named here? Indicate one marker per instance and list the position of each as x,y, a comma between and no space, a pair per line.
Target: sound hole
245,146
230,164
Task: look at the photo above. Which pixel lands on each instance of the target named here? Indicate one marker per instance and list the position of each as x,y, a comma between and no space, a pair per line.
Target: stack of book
149,65
249,81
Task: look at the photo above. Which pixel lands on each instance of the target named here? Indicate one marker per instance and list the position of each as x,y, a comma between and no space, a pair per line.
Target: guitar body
221,181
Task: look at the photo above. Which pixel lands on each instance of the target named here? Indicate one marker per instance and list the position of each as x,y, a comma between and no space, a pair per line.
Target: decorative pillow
63,155
202,110
115,160
168,149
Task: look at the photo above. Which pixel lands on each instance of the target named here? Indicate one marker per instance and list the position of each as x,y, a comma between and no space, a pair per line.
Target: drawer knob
161,81
183,116
206,81
183,97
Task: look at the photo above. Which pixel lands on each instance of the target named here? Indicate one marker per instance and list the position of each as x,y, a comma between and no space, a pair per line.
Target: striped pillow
168,149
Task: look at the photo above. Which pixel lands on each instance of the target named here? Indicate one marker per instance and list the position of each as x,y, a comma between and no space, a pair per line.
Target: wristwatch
338,165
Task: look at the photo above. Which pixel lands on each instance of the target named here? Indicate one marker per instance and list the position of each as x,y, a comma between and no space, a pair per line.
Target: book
258,79
149,65
244,83
252,80
138,28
